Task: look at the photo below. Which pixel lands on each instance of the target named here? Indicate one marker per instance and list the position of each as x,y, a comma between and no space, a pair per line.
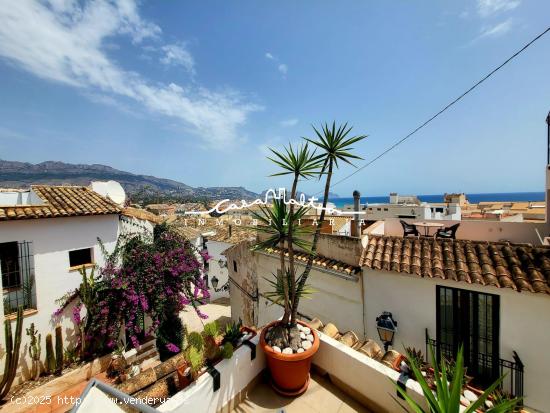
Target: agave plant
446,396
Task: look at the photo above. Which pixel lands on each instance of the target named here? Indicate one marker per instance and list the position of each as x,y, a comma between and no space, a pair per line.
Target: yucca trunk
309,264
291,270
283,275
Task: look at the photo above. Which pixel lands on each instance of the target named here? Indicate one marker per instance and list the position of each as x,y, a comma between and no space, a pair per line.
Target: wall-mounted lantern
386,326
214,281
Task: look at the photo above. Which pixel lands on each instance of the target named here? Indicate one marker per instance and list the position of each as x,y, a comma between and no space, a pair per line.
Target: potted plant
445,398
290,344
117,365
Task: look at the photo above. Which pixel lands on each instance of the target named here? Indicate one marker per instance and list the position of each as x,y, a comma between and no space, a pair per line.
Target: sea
472,198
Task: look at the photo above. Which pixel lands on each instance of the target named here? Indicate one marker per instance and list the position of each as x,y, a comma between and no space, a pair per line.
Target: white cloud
178,55
281,67
64,40
487,8
497,30
289,122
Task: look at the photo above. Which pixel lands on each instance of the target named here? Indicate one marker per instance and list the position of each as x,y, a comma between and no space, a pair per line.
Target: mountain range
15,174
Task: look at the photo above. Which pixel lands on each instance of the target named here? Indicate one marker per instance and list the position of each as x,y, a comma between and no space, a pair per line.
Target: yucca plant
335,144
301,163
282,220
275,221
446,396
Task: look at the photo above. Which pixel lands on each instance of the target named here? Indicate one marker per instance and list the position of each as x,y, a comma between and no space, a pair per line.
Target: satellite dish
110,189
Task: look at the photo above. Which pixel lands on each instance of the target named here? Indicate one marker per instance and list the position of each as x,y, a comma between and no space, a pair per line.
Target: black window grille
512,370
471,319
18,281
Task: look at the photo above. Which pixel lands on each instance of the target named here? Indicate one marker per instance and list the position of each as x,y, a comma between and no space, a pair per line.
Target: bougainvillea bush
156,278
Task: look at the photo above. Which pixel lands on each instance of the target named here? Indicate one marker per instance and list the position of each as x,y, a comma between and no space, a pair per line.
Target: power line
399,142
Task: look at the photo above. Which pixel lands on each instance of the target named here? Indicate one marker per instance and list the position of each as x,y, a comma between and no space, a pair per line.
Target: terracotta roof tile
319,261
519,267
61,201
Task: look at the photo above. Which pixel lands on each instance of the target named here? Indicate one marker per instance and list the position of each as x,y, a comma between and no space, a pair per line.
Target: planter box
237,375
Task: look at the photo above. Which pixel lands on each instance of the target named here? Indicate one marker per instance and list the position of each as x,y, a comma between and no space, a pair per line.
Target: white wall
336,298
371,382
484,230
524,322
215,249
52,239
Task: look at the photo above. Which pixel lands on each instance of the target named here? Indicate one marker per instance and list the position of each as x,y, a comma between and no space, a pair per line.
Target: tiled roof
237,234
319,261
142,214
520,267
61,201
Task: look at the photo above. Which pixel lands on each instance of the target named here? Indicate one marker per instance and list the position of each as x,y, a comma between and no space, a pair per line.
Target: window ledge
26,313
80,267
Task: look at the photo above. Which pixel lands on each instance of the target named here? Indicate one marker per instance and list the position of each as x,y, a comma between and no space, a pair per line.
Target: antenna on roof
110,189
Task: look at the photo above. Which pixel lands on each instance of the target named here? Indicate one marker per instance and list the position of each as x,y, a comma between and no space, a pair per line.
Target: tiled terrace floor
321,397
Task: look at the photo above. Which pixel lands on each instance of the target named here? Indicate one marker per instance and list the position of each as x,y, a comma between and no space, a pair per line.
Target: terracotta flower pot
289,372
184,375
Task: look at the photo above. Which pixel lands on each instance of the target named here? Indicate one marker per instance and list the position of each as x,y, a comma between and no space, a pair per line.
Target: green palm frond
300,161
335,144
277,284
275,222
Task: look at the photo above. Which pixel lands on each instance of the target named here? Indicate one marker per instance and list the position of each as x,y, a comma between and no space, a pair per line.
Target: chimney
356,208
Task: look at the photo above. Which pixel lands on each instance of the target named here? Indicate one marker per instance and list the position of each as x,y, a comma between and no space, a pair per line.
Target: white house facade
44,242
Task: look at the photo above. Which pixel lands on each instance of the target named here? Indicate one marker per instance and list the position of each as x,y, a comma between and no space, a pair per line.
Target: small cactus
12,352
58,350
195,340
35,350
227,350
196,361
50,357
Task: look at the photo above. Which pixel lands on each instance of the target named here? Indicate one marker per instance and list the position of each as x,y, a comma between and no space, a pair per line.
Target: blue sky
197,91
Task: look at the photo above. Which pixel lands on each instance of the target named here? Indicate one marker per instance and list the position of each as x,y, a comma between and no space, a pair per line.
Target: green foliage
12,352
70,355
50,356
27,287
500,397
195,357
276,220
34,346
232,332
278,289
195,340
446,397
416,356
300,161
58,350
170,331
211,329
227,350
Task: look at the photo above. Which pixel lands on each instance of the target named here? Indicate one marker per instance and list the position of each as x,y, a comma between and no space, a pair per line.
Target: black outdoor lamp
386,326
214,281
